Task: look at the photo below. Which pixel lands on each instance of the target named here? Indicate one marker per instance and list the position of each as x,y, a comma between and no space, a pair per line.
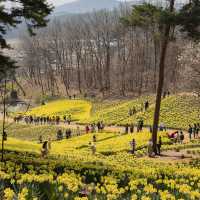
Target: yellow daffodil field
85,176
72,171
78,109
177,111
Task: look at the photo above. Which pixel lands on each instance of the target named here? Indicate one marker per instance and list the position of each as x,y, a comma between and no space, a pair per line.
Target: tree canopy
147,15
187,20
33,12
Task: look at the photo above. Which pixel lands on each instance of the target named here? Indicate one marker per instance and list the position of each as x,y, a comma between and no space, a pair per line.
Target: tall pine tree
187,19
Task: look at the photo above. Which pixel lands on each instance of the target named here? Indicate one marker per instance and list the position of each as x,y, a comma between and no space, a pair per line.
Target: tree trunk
161,80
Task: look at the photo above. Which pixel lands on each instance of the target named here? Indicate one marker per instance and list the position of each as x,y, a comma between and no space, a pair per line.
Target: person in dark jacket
133,146
159,145
190,131
44,150
181,137
126,129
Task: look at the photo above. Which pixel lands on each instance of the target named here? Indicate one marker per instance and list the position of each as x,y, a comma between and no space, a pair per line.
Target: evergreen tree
187,20
33,12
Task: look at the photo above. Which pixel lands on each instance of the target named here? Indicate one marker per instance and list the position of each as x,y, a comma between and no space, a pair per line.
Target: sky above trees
60,2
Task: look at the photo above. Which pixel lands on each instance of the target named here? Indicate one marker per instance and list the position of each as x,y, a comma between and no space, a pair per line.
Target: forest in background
96,53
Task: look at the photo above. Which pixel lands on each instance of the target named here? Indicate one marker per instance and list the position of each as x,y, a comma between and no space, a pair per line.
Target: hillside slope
84,6
177,111
78,109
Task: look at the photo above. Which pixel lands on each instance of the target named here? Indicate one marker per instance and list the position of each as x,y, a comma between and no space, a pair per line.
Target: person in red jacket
87,129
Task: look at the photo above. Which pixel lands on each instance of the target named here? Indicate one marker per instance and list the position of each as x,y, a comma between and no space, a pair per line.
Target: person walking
98,126
190,132
59,135
141,124
159,145
126,129
94,138
150,148
67,134
194,130
87,129
197,130
146,105
177,137
181,137
44,150
93,147
78,132
132,128
65,119
133,146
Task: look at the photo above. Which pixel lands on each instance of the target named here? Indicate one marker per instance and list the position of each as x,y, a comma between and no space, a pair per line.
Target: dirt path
73,125
176,157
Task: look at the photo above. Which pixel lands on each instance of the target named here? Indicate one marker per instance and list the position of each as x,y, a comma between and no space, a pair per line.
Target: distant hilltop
84,6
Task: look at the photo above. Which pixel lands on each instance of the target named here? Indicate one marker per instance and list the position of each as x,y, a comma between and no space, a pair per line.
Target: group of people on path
131,128
165,94
194,131
68,133
99,127
176,137
43,120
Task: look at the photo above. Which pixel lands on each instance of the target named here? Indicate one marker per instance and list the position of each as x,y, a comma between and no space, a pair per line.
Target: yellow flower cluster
23,194
29,178
8,194
71,181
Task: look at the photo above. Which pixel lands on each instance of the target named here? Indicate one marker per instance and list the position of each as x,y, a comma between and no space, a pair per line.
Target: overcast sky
60,2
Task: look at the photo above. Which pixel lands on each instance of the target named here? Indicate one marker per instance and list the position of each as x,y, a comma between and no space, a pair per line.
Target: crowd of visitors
60,135
130,128
42,120
175,137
